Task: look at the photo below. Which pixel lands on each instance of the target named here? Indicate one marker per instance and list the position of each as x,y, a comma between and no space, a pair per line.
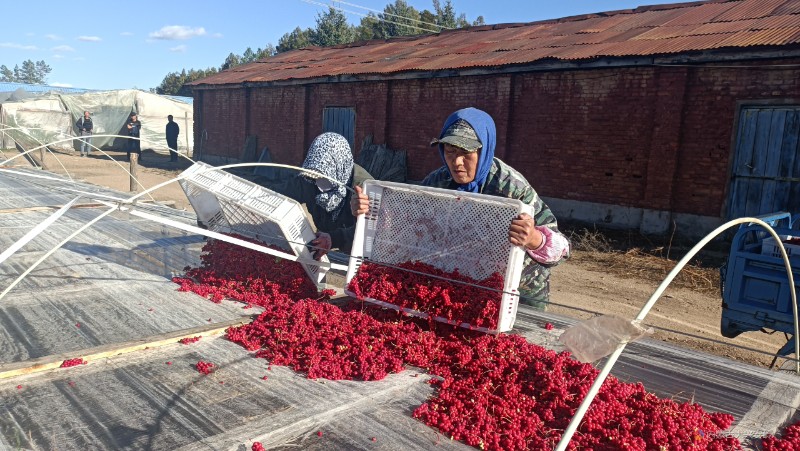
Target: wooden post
134,165
186,130
41,157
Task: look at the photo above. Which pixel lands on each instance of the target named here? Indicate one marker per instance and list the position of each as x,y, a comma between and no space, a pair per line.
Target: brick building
686,113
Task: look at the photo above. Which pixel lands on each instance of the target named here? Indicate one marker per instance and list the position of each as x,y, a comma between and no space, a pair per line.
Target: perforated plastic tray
446,229
770,247
229,204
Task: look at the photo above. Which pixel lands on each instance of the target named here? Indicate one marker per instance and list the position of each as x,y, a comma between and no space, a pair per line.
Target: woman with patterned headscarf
466,145
326,198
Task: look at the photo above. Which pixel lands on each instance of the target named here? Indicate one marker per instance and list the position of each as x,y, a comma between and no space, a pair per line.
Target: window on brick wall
341,120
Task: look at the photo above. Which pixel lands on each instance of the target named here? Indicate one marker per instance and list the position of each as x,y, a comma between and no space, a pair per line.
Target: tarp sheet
50,119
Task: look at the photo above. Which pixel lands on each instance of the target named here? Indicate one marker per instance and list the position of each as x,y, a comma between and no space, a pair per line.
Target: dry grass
599,250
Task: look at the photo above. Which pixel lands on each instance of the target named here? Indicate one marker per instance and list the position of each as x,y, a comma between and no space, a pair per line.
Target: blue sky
101,45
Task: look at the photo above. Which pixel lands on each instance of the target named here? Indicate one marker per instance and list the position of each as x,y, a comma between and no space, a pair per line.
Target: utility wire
395,15
312,2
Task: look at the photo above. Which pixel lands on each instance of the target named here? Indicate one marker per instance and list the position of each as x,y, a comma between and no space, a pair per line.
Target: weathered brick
647,137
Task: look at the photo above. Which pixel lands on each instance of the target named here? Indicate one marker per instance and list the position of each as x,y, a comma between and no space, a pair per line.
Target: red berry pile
505,393
72,362
189,340
204,367
257,446
245,275
455,302
494,392
789,440
324,341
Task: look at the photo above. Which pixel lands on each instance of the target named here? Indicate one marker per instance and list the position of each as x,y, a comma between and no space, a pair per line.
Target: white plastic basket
770,247
229,204
444,228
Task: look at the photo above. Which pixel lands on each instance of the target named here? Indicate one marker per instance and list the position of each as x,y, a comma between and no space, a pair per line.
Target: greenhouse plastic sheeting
51,117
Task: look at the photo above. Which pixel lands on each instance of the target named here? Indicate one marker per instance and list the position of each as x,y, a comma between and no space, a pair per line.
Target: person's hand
322,245
359,202
522,232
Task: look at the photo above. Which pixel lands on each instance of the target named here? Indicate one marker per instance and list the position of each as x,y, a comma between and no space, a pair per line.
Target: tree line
31,72
397,19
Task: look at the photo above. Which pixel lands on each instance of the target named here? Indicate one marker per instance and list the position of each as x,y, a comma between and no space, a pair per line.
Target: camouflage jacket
505,181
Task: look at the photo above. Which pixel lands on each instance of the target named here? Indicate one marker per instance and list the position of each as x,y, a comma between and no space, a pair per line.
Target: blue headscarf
483,124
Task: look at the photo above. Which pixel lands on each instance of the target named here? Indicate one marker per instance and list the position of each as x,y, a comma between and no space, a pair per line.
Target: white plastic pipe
93,147
36,230
229,239
24,130
166,221
55,248
228,166
612,359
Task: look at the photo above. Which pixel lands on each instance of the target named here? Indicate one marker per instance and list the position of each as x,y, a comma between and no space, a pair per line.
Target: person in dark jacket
134,129
85,127
172,138
327,201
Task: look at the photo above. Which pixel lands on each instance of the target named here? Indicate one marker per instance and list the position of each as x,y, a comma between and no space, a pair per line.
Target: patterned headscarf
330,154
484,127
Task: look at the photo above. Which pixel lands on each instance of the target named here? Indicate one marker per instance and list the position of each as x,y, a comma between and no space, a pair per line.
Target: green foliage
332,29
6,74
400,19
397,19
297,39
31,72
445,16
175,82
231,61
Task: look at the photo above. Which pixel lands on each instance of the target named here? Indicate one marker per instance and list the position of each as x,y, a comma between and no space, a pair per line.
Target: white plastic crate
770,247
444,228
226,203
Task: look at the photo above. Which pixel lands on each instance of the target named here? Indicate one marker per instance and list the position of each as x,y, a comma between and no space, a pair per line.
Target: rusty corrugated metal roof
750,10
644,31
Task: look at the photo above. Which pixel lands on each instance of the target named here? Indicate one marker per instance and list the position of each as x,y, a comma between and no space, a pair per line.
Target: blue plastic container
755,286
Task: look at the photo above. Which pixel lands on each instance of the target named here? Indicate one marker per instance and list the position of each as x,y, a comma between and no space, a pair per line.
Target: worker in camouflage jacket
466,145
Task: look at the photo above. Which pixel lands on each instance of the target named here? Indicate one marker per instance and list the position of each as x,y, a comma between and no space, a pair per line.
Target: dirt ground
685,316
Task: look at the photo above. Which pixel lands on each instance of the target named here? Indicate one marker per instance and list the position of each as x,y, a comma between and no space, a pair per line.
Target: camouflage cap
461,135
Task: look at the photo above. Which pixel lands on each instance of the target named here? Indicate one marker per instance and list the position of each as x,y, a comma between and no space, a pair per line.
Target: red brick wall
420,107
583,135
277,118
712,101
222,113
368,99
646,137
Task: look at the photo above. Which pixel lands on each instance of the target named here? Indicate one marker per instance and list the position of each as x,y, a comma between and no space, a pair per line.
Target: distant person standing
172,138
134,129
85,128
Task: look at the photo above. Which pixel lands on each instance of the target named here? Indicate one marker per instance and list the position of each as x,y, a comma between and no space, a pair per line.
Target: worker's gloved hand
322,245
522,232
359,202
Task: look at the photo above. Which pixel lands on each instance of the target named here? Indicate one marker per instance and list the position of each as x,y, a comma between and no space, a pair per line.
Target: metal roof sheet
790,7
667,32
598,25
761,37
647,30
750,10
701,15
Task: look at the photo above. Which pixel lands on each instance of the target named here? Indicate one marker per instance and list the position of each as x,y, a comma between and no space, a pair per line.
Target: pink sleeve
554,247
